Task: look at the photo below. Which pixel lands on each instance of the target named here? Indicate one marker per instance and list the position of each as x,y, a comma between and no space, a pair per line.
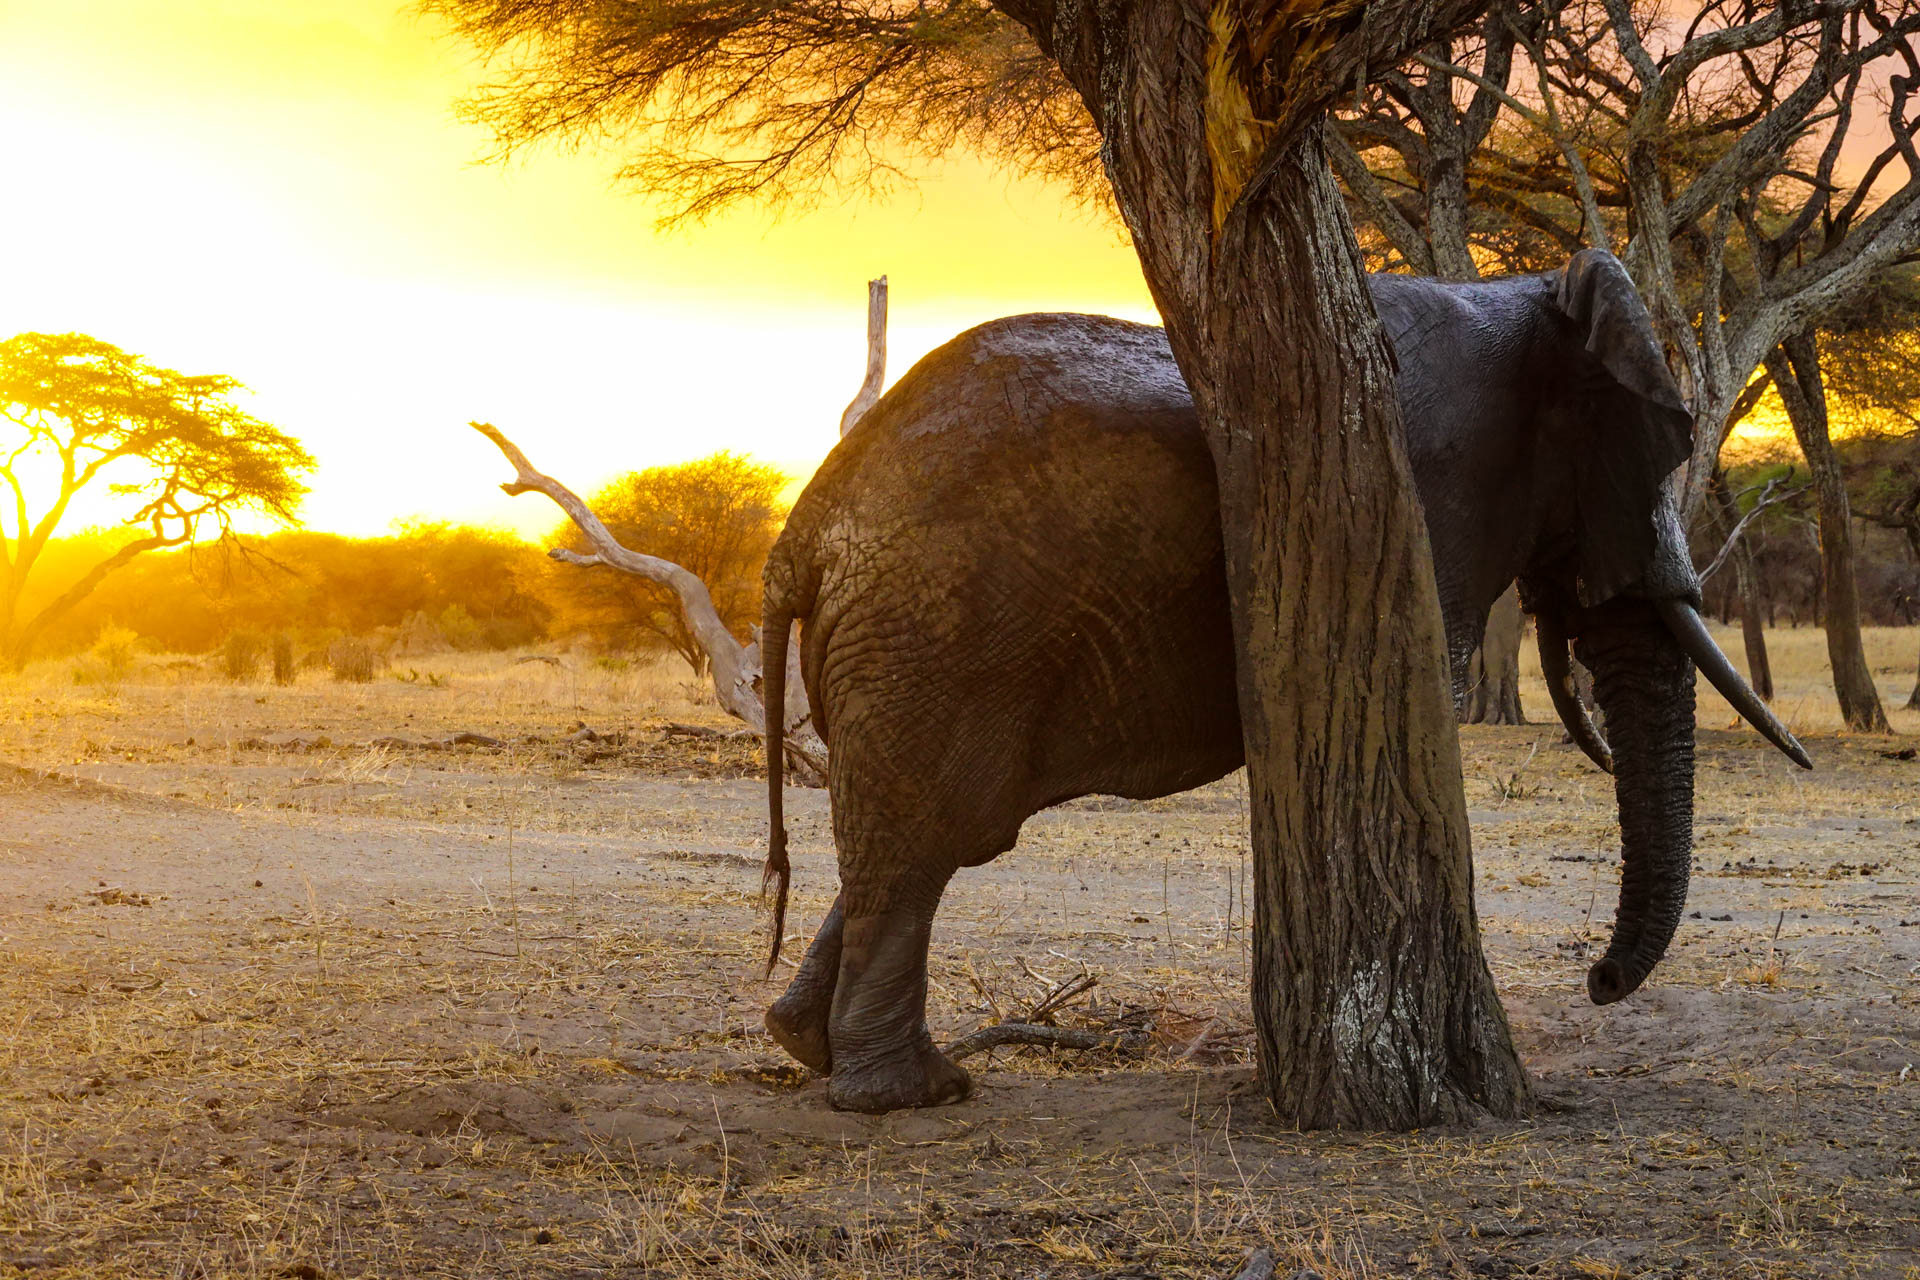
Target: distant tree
1873,373
716,517
80,412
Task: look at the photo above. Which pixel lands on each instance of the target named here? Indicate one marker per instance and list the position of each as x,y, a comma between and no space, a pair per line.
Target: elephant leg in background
798,1019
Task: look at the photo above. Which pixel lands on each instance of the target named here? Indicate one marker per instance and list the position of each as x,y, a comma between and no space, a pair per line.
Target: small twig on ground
1054,1000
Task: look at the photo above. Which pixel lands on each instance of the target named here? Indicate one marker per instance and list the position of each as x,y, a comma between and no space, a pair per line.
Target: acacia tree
82,413
1874,345
1373,1002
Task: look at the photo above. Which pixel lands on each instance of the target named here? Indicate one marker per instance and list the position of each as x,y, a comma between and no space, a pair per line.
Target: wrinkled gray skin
1011,583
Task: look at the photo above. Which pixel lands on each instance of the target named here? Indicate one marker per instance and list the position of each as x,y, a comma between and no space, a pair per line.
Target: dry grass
1802,679
404,1012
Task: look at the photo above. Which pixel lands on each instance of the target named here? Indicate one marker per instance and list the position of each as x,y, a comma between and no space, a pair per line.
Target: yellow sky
278,190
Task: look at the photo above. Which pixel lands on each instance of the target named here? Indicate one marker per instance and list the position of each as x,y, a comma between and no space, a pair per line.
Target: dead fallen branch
1026,1033
735,667
462,739
673,729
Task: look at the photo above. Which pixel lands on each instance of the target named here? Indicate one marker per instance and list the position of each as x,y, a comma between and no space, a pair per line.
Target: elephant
1011,588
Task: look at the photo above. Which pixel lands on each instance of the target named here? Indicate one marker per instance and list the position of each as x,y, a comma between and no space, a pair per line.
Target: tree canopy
716,101
81,412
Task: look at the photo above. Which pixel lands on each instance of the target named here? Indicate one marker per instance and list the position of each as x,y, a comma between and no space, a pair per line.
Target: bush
284,669
240,656
351,660
112,651
460,629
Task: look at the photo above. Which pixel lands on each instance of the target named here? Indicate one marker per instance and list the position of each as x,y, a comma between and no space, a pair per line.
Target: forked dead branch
735,667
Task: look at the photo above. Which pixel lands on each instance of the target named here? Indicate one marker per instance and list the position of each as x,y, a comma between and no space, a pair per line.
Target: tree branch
869,392
735,669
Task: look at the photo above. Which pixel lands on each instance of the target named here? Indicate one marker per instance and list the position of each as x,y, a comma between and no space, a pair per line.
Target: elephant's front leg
798,1019
883,1057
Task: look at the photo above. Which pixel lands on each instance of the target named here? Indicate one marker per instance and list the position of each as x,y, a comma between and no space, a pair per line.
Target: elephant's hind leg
883,1055
798,1019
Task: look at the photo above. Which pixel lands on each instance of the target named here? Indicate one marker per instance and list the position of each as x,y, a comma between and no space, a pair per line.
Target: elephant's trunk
1643,680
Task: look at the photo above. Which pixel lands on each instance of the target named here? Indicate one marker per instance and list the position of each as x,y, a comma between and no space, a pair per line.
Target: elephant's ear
1637,429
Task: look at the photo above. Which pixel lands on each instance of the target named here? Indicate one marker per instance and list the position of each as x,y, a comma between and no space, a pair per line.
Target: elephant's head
1610,577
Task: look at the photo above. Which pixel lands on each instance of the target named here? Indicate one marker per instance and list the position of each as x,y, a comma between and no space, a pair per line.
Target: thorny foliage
720,101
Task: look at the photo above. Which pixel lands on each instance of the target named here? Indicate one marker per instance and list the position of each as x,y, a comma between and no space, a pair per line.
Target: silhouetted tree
82,413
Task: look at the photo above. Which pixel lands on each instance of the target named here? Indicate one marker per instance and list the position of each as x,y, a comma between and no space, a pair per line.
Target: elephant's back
1017,429
1001,394
1028,521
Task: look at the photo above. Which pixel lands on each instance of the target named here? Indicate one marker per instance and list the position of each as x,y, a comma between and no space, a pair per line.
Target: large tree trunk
1795,367
1373,1004
1493,673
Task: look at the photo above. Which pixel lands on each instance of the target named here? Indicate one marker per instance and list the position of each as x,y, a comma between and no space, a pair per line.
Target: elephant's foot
798,1020
883,1058
921,1077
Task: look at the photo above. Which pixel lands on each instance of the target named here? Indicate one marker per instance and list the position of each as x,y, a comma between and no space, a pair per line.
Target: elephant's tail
775,626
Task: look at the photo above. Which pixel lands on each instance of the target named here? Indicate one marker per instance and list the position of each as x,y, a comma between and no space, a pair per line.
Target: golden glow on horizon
281,193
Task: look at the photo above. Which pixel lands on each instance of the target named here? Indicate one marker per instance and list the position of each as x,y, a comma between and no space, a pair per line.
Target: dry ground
315,1008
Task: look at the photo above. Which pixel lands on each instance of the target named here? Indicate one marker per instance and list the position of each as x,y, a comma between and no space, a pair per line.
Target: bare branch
735,667
1005,1033
1768,498
869,393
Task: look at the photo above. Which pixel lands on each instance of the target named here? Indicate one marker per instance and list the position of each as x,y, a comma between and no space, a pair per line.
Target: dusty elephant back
1027,522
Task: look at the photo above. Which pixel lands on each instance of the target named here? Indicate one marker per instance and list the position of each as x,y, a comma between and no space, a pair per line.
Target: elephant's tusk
1691,633
1557,666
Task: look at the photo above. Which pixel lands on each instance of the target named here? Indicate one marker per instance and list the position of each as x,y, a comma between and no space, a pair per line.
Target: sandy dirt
278,1003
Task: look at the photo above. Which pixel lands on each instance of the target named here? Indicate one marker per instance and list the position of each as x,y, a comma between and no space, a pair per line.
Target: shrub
113,650
350,659
240,656
284,669
460,629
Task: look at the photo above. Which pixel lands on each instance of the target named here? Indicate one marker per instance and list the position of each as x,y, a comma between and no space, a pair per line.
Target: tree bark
1795,366
734,667
1493,673
1913,699
1747,582
1373,1004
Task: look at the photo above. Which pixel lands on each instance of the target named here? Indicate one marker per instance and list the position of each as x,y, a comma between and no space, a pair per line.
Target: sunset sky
278,190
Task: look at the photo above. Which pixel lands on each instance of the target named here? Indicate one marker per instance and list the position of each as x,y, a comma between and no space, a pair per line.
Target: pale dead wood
869,392
735,667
